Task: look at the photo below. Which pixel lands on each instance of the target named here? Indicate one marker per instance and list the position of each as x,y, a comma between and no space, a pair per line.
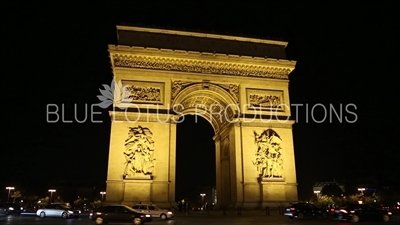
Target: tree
15,195
332,190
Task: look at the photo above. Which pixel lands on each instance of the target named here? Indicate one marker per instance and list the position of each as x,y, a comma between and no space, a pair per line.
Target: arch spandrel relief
139,152
268,156
179,85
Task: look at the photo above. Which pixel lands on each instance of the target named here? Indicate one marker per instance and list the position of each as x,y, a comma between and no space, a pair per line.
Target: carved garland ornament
200,66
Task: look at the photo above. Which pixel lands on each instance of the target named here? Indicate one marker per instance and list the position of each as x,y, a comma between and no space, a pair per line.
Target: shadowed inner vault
195,157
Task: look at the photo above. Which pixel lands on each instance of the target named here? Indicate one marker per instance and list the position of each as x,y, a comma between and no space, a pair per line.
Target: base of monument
138,176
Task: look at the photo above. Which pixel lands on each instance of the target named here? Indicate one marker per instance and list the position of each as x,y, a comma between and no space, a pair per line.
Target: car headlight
90,214
148,215
10,208
70,212
170,213
80,212
389,213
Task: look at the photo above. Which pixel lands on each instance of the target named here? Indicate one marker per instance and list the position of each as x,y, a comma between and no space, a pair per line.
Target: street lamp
51,194
102,195
202,198
9,191
317,193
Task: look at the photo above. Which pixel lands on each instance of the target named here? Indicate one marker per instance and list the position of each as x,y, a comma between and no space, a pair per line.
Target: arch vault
161,75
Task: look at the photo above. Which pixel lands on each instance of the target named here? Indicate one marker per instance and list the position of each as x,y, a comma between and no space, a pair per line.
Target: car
362,212
118,213
13,208
3,209
304,209
154,211
55,210
76,212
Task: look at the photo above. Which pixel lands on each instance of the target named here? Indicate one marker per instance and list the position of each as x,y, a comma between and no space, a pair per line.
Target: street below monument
194,218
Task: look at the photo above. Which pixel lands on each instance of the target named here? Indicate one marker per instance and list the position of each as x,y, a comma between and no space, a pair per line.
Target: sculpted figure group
269,161
139,152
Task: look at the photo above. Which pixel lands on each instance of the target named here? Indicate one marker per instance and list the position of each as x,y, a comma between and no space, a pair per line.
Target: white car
154,211
55,210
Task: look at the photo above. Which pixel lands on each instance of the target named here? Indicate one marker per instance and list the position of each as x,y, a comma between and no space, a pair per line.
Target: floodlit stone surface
245,99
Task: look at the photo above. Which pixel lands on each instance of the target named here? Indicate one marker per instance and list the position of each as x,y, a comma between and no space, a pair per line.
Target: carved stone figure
139,152
141,93
233,90
265,101
177,86
269,160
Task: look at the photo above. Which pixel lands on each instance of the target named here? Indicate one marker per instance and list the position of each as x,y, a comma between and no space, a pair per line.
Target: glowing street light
9,191
51,194
102,195
317,193
202,197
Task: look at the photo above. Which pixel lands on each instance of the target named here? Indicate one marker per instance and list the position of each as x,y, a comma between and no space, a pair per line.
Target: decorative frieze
199,66
143,92
271,100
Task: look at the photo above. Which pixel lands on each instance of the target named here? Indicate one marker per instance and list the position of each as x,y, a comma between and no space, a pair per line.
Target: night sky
57,54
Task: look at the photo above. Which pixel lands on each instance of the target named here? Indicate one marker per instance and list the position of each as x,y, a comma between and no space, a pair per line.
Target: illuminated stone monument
240,85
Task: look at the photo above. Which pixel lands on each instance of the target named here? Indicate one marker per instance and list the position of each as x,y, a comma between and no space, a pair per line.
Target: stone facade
245,99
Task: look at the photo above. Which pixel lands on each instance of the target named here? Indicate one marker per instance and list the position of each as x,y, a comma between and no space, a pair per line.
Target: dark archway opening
195,158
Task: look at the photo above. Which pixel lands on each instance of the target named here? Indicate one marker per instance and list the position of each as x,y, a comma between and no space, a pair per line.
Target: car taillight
293,209
332,210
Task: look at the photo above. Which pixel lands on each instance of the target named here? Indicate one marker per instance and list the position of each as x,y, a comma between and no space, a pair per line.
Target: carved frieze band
133,117
266,124
199,66
179,85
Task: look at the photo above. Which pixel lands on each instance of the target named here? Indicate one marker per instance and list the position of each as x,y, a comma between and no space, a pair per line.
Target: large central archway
195,162
245,99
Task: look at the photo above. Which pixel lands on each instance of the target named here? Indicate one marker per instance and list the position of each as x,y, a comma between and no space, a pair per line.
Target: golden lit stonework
240,85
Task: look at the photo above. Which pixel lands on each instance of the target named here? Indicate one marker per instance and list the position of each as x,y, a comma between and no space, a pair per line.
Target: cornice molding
200,66
272,124
206,35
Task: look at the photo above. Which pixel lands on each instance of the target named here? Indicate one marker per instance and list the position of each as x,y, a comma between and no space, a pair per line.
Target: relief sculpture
139,152
233,90
177,86
269,160
265,101
142,93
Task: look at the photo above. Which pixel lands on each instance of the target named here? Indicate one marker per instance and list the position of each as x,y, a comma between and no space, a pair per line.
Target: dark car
362,212
301,210
13,208
3,209
119,213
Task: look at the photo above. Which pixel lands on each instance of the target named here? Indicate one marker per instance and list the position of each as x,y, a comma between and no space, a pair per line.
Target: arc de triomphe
240,85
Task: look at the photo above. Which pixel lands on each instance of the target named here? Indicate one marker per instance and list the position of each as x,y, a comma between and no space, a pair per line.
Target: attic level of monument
200,42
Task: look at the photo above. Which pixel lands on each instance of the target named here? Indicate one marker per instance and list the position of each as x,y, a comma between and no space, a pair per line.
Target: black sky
57,54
